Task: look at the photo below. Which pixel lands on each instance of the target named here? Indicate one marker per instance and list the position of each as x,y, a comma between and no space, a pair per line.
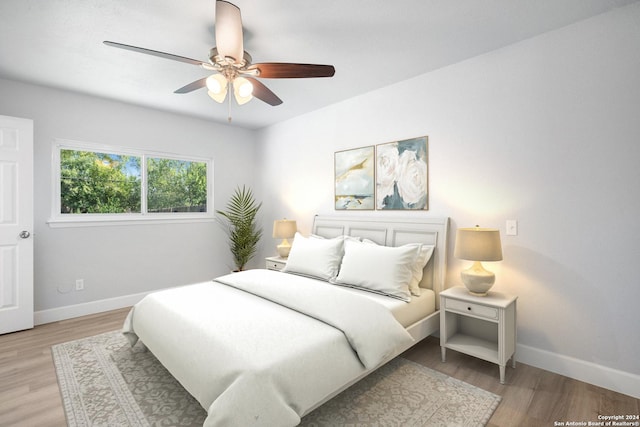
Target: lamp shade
478,244
284,229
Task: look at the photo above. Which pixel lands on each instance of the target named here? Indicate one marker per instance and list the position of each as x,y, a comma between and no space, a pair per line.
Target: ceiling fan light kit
242,90
217,86
232,65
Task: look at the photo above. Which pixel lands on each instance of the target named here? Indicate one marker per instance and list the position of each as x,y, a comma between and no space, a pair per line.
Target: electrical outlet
79,284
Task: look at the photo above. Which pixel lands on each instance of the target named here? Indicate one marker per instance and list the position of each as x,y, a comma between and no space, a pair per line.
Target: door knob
25,234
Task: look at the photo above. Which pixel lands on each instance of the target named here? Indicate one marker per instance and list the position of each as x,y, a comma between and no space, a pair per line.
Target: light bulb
217,86
242,90
245,89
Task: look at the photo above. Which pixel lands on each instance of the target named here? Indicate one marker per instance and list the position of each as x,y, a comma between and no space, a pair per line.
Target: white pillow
380,269
424,255
319,258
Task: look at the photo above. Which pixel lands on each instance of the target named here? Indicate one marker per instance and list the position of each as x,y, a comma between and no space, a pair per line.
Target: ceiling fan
232,65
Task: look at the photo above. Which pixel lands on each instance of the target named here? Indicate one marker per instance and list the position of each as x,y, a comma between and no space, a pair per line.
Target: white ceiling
371,43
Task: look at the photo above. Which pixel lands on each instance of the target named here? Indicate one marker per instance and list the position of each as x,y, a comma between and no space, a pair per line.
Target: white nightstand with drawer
484,327
275,263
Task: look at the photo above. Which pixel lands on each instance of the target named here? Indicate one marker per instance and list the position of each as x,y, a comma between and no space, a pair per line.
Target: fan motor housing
215,58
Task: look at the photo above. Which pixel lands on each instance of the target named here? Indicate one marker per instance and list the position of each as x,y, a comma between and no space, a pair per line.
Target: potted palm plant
240,223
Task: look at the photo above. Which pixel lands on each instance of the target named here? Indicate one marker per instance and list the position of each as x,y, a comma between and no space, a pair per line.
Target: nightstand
275,263
484,327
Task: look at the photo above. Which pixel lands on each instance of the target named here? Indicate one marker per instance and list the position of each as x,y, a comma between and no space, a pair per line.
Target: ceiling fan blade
193,86
229,31
154,53
281,70
263,93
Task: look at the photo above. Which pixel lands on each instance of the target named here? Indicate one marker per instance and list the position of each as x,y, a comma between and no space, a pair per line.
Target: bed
263,347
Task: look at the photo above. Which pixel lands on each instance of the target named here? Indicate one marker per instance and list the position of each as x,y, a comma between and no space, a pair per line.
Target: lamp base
477,280
284,248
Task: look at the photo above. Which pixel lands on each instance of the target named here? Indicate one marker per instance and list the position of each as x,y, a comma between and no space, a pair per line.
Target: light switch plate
512,227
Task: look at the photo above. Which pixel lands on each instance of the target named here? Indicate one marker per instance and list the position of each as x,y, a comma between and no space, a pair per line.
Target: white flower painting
354,177
402,175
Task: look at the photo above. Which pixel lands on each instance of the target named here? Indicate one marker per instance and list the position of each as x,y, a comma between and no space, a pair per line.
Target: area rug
105,382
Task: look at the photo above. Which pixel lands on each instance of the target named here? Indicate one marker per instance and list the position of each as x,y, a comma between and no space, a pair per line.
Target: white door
16,224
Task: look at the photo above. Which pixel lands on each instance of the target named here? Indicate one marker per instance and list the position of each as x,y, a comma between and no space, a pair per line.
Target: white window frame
59,219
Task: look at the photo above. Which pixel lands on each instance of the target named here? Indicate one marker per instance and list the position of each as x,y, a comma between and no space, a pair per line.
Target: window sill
105,221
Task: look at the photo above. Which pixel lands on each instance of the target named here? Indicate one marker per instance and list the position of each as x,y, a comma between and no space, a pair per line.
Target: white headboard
396,232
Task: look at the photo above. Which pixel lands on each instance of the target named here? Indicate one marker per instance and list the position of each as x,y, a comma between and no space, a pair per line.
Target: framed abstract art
355,179
402,176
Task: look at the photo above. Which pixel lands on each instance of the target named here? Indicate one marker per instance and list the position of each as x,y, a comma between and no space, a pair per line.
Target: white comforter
249,361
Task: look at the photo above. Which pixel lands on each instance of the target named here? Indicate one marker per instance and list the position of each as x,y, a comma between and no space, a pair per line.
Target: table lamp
478,244
284,229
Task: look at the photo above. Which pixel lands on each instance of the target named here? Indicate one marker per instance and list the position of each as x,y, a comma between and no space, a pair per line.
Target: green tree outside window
176,185
99,183
103,183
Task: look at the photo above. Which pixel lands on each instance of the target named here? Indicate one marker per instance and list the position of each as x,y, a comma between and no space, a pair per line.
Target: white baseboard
582,370
93,307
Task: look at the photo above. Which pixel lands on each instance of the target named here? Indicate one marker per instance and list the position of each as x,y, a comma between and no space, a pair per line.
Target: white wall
116,261
547,132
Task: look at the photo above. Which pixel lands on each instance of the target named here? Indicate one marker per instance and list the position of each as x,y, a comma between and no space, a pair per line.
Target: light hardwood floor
29,394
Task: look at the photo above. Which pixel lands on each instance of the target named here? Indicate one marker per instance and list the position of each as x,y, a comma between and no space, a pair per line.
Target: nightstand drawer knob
469,308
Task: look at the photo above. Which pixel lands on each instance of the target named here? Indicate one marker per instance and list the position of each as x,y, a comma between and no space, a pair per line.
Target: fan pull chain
229,97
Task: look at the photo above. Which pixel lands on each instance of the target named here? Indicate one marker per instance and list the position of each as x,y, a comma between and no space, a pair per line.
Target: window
100,184
93,182
176,185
